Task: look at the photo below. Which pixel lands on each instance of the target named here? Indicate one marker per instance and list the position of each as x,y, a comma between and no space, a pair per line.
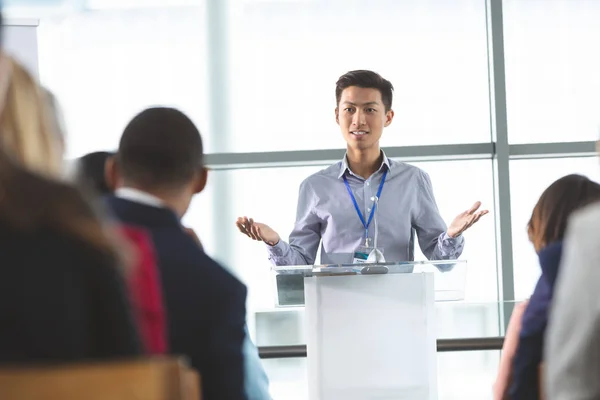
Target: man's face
361,116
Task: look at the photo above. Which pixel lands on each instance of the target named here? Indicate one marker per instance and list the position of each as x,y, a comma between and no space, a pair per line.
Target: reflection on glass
528,179
284,326
461,375
449,277
287,56
552,84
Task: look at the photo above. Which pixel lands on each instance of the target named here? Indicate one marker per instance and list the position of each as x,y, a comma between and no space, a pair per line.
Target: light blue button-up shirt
327,216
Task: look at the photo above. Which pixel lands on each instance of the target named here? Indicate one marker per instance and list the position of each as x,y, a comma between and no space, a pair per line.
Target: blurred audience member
572,353
61,288
546,230
56,119
144,282
29,128
511,341
90,173
158,169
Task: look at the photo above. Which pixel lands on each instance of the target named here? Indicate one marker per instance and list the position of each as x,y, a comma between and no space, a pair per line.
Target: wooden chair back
151,379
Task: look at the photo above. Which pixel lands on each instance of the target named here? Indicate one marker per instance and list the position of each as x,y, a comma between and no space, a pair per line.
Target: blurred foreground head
30,127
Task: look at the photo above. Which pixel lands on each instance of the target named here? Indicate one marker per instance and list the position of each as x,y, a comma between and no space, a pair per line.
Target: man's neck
168,200
366,162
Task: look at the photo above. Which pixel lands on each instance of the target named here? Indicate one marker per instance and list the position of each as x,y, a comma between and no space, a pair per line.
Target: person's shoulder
332,171
401,168
588,218
216,274
323,176
407,174
582,232
64,250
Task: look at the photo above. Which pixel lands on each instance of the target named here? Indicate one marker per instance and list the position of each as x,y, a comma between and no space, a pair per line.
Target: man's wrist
453,235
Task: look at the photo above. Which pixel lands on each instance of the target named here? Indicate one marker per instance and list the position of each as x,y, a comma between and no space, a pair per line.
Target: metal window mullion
499,131
218,63
327,156
552,150
442,152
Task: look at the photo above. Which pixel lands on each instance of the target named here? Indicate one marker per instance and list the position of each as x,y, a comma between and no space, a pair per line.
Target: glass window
288,55
106,66
552,80
528,179
457,185
268,195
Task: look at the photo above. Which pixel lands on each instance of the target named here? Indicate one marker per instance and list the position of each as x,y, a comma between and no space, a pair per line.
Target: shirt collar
139,196
344,167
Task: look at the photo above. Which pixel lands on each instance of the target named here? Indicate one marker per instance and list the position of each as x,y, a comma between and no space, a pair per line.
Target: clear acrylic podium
370,328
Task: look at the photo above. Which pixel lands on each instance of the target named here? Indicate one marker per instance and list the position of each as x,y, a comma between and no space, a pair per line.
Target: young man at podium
337,206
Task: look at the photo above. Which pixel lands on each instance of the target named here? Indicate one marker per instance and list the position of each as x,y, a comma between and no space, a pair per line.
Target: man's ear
389,116
337,115
111,173
200,180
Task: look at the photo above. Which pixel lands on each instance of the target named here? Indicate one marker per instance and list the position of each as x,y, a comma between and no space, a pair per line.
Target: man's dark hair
90,172
160,148
368,80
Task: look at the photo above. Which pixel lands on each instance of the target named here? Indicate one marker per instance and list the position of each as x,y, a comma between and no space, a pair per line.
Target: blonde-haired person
29,124
61,289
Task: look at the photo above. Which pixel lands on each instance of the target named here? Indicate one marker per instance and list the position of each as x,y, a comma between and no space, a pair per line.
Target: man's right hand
257,231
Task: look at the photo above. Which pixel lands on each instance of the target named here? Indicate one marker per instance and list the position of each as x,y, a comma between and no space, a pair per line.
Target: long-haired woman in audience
62,295
519,371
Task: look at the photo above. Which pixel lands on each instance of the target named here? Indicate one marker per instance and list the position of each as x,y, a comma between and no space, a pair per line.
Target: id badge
361,255
368,255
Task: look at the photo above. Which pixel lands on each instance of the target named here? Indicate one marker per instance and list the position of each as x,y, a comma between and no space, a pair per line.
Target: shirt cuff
278,250
449,239
451,248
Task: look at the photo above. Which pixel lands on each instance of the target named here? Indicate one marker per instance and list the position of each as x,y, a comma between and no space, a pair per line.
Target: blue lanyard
360,215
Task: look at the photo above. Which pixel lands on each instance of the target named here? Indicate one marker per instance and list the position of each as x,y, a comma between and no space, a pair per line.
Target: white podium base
371,337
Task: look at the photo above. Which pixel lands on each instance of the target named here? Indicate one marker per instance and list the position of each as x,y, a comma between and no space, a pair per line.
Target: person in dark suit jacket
62,296
157,170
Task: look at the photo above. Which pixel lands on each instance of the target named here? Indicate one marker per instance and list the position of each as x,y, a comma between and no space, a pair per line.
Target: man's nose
358,119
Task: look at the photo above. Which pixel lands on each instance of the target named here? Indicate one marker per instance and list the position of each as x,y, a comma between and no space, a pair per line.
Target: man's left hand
465,220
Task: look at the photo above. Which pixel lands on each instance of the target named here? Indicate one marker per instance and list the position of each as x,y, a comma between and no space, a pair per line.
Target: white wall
20,41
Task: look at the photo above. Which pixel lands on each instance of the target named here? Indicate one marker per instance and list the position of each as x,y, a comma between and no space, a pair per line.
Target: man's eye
348,109
371,110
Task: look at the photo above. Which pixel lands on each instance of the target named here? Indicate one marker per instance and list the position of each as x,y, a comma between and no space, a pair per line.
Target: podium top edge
373,268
